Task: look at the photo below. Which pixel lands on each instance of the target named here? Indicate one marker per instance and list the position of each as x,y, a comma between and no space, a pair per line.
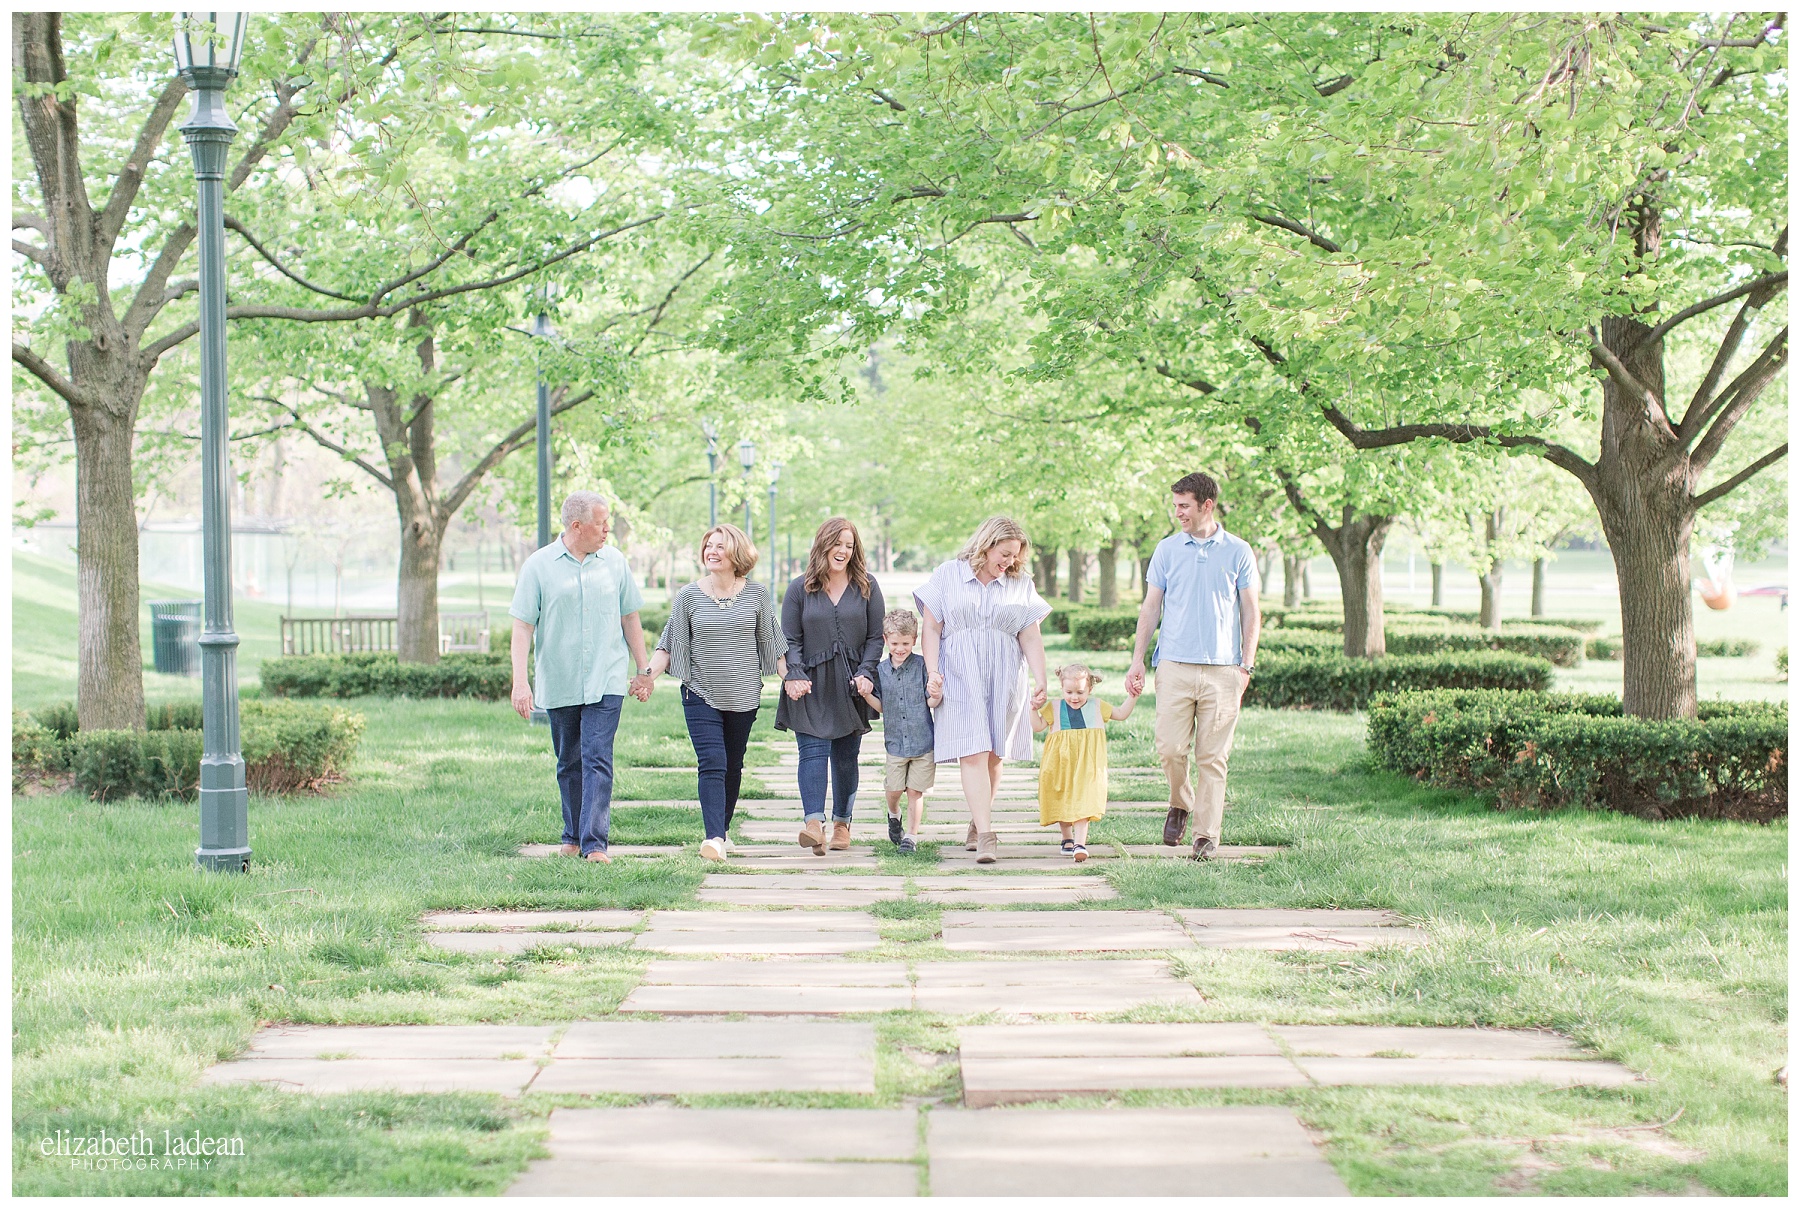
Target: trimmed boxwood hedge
287,746
1547,751
1102,629
1288,680
487,676
1062,611
1561,647
1728,648
1587,625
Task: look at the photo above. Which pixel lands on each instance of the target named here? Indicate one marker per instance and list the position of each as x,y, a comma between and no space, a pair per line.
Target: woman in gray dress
832,618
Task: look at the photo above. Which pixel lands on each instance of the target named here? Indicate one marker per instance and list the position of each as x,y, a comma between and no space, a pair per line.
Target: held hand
1134,679
1134,691
934,683
797,689
862,685
934,699
642,687
1039,696
521,700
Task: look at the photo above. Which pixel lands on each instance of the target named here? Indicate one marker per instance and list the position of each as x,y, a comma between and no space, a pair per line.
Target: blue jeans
582,736
840,755
719,737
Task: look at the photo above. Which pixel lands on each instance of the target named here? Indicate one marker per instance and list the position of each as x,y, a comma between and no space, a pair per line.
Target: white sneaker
729,846
712,850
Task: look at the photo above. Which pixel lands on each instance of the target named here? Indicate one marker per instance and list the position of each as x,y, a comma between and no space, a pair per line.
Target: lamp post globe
208,49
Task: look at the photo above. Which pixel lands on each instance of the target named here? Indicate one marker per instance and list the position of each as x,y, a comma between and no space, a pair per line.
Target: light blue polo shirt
577,607
1200,579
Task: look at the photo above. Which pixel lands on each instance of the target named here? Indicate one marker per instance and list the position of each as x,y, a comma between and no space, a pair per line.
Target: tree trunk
109,685
1290,580
1537,587
1077,574
1355,548
421,545
1109,574
1265,566
1437,585
1306,578
1491,576
1046,571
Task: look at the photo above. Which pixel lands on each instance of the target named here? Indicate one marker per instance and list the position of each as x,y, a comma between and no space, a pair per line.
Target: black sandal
1068,847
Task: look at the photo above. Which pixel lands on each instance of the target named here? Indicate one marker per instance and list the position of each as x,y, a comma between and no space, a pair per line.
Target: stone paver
616,851
796,932
774,987
998,891
776,971
1310,929
674,1057
1008,851
1034,988
512,921
520,942
1384,1072
846,890
1237,1151
1062,931
780,858
402,1041
1225,852
661,1151
320,1077
1366,1041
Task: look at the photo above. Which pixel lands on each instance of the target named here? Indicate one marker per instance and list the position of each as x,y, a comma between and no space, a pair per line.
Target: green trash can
175,636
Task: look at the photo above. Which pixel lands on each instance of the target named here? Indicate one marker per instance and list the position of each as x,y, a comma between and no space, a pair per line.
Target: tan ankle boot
813,836
987,846
969,841
840,837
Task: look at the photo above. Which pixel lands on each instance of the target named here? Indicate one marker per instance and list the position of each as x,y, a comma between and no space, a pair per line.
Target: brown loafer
599,857
1204,848
970,841
1175,827
840,837
813,836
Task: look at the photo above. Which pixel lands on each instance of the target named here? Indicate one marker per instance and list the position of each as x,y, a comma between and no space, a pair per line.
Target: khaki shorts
910,772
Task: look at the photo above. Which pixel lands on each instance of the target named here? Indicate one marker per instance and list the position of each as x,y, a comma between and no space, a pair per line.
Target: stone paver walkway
848,890
731,1152
1275,928
1007,1065
537,851
520,931
794,932
1236,1151
1061,931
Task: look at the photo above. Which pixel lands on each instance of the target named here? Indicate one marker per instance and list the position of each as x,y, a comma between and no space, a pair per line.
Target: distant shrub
1726,647
1781,662
653,618
1606,648
487,677
1062,611
1404,637
1336,682
1586,625
1102,629
1546,751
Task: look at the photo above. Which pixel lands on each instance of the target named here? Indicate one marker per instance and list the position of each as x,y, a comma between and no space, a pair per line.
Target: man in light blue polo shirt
584,600
1201,586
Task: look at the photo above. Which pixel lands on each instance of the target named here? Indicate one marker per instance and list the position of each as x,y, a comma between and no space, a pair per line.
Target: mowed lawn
1662,946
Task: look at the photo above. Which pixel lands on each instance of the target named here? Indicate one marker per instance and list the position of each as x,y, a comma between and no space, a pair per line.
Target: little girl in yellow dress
1072,775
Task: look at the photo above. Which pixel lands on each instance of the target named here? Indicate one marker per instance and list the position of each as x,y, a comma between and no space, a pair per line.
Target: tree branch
943,29
131,172
46,373
1771,284
1331,88
1460,434
1772,362
327,442
502,449
31,222
233,224
1615,368
32,252
1741,477
663,306
1105,100
1288,224
896,106
1697,418
1208,76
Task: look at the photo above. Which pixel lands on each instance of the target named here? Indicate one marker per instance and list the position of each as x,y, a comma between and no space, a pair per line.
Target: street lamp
208,48
774,476
542,329
747,455
712,472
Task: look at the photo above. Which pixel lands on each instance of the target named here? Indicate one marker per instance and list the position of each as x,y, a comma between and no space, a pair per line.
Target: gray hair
580,505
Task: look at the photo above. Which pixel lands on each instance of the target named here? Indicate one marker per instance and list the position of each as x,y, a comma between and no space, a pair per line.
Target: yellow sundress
1072,775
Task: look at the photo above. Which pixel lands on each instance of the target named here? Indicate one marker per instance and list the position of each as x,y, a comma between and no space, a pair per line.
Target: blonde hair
993,531
738,548
900,621
818,563
1079,671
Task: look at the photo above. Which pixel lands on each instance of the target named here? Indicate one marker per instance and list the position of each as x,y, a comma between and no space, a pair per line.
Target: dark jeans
840,756
719,738
582,736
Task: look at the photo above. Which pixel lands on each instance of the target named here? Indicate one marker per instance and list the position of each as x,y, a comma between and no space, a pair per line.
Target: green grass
1661,945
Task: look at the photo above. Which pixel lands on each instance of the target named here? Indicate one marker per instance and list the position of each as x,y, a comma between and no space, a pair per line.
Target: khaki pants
1197,708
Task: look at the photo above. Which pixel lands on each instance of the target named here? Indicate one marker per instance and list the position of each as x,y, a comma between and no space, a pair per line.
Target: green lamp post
208,47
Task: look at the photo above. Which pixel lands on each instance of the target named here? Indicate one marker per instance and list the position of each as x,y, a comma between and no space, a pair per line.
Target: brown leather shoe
570,850
840,837
1204,849
1175,827
599,857
986,846
813,836
970,840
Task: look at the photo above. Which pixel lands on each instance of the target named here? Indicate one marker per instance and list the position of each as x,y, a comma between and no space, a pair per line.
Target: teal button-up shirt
577,607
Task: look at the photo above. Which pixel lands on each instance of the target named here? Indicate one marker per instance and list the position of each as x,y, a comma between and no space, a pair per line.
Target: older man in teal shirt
581,602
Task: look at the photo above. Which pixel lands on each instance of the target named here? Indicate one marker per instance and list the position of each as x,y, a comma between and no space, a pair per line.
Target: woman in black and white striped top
723,637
